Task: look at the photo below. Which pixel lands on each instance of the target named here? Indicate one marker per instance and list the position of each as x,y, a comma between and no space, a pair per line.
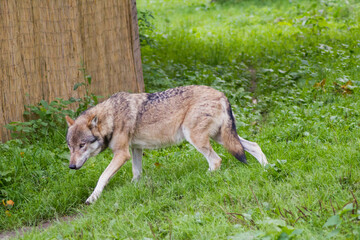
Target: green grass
309,134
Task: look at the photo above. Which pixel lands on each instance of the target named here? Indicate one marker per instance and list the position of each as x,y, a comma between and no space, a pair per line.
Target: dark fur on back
161,96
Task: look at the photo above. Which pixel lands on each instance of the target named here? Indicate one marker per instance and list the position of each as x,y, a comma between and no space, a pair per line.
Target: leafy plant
341,218
89,99
276,229
146,27
46,118
42,119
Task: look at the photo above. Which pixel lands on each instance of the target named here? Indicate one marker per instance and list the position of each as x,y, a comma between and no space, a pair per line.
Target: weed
89,99
46,118
43,119
146,28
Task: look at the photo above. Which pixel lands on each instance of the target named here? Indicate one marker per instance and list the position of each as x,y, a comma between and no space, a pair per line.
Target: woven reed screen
44,43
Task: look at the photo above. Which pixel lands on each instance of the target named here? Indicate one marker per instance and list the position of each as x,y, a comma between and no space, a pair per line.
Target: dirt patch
42,226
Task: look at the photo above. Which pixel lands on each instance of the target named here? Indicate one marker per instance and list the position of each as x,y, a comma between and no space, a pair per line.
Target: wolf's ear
69,121
93,123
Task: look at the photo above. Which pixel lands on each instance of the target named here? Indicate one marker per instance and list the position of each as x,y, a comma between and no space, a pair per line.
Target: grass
308,128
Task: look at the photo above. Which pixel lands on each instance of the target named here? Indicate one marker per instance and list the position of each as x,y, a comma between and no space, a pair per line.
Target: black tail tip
241,157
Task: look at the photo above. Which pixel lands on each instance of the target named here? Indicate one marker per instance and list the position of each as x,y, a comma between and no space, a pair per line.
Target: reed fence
43,44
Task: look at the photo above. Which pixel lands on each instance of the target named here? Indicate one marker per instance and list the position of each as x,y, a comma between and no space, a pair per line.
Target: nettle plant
44,118
89,99
146,28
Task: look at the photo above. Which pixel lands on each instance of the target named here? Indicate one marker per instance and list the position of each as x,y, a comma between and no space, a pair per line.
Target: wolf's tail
229,136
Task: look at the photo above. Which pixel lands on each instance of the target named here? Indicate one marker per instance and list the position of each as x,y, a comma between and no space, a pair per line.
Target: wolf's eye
82,145
93,140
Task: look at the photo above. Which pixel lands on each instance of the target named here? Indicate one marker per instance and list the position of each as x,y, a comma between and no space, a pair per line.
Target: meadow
291,72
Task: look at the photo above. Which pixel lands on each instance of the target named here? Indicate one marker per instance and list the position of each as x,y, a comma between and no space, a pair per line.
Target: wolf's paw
135,179
91,199
263,161
214,166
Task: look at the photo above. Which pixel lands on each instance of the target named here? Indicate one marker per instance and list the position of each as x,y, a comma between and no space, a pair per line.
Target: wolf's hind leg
136,163
120,157
202,143
251,147
254,149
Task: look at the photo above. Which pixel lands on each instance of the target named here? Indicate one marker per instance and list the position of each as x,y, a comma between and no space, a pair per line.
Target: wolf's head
83,139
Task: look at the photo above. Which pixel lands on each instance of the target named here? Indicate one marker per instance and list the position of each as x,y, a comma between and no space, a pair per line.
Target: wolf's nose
72,166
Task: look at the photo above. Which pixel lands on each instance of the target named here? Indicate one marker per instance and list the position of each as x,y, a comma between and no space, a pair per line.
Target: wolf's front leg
136,163
120,157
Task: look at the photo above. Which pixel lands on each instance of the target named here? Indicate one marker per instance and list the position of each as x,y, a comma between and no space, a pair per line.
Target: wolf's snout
72,166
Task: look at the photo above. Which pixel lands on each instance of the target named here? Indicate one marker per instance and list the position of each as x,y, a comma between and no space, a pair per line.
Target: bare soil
42,226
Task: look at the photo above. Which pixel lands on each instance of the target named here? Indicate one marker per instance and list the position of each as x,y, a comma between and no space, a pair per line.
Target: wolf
152,120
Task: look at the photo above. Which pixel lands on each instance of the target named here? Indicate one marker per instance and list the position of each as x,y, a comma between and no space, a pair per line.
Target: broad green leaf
349,207
296,232
270,221
7,179
88,78
77,85
247,235
287,229
44,103
333,233
247,216
283,236
332,221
